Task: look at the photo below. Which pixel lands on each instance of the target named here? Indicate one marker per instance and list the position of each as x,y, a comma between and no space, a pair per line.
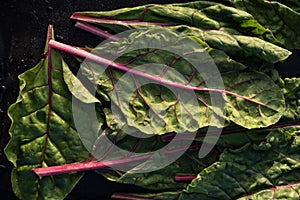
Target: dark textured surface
22,37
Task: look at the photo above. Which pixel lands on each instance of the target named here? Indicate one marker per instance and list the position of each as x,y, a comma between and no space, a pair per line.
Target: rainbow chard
247,108
231,30
43,131
148,94
273,21
267,170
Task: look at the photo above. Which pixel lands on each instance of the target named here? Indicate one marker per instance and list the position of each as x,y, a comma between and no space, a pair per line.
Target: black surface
23,26
291,66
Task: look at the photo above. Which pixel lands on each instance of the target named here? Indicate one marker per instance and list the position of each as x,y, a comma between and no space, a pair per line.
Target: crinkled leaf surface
252,99
252,169
291,90
268,170
234,31
282,20
232,137
42,131
281,17
251,165
163,179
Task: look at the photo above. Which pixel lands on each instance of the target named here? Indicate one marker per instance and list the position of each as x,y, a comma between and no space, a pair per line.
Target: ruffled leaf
43,132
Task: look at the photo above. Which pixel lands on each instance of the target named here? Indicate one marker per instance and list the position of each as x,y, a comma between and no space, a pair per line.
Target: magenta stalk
84,54
96,31
92,165
92,57
122,196
127,23
184,178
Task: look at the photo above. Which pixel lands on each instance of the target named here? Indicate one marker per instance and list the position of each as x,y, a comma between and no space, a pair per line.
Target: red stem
92,165
50,93
84,54
96,31
92,19
122,196
92,57
184,178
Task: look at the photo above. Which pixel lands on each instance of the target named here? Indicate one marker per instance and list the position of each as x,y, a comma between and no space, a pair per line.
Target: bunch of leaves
255,157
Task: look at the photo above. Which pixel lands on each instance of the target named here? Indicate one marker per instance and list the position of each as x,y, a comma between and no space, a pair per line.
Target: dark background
23,27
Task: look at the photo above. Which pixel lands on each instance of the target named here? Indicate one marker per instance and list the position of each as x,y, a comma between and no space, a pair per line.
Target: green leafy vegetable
268,169
257,155
250,107
222,27
43,132
274,15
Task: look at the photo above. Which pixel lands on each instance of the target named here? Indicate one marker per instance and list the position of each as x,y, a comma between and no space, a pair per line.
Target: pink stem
92,165
84,54
122,196
184,178
96,31
92,19
50,93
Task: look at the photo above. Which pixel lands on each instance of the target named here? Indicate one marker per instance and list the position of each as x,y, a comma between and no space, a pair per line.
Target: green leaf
77,89
261,134
156,196
246,105
276,16
162,179
43,132
280,192
240,48
231,30
270,168
291,91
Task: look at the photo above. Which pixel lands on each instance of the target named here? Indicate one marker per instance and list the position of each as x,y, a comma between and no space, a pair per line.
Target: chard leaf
276,16
256,163
246,105
283,137
268,169
291,91
43,132
233,31
162,179
234,137
168,179
280,17
76,87
200,14
156,196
